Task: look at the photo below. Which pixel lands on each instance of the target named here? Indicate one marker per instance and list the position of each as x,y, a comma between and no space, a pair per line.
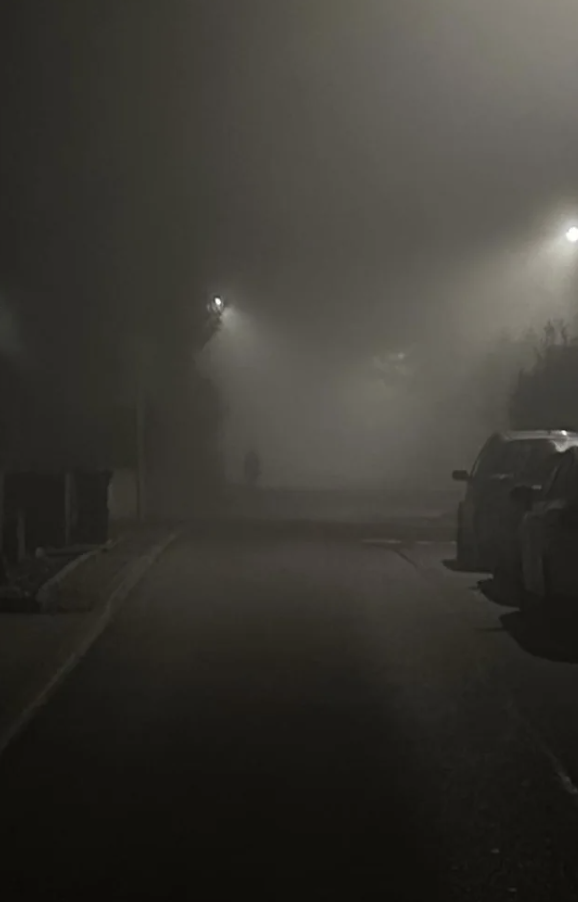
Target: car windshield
526,458
562,483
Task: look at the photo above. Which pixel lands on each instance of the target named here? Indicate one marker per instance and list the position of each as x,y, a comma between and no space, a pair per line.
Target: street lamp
572,234
217,306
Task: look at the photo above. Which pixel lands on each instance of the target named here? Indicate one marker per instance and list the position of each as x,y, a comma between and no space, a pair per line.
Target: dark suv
506,458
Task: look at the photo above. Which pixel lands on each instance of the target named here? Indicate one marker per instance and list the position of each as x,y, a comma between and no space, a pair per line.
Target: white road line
408,542
564,778
562,775
381,542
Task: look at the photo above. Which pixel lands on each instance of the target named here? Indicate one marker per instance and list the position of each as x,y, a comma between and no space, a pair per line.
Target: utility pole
68,506
141,357
3,567
140,437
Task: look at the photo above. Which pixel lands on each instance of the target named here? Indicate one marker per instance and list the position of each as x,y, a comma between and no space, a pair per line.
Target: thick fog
345,406
379,190
402,179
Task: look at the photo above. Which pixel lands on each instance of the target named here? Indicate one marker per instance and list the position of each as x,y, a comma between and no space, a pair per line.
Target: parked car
484,516
544,556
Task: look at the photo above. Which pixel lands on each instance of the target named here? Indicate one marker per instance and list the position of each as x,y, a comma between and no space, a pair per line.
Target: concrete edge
99,621
44,596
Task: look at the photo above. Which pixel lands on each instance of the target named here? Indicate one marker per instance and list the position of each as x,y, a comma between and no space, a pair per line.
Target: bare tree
544,395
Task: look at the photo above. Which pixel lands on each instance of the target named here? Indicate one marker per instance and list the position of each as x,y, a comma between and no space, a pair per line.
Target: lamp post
216,306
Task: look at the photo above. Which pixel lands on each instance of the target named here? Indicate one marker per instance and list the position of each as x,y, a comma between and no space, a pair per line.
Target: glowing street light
572,234
216,306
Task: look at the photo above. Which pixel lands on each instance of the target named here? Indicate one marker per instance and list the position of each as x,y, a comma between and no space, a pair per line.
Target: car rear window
525,458
563,481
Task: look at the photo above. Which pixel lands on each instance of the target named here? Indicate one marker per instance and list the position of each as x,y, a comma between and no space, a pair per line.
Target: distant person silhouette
252,468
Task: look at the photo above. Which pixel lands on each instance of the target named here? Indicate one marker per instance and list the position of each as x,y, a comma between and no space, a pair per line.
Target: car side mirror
523,495
461,476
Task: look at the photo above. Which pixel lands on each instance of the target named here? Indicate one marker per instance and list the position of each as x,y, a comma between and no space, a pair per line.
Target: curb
101,621
46,594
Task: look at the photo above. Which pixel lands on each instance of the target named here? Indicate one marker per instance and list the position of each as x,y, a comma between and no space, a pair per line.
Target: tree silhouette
544,395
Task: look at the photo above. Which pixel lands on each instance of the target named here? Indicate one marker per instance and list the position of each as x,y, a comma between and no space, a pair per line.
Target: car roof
552,435
558,460
558,440
571,451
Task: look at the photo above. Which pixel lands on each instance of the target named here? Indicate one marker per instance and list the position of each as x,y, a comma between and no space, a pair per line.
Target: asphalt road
400,506
292,718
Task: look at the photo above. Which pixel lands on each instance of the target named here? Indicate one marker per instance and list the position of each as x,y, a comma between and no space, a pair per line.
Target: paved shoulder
37,651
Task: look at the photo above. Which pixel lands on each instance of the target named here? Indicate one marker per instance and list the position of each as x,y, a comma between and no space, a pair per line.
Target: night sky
346,172
359,151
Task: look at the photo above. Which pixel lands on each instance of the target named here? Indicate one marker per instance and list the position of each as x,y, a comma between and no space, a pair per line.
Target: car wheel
535,597
465,552
507,574
486,551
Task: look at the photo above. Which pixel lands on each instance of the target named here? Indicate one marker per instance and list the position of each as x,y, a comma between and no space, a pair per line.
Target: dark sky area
360,146
306,152
326,162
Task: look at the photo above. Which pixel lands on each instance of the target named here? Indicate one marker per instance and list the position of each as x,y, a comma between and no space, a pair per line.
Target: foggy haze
376,421
289,450
400,178
358,179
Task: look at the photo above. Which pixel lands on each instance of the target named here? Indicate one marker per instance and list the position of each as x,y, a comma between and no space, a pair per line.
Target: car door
483,469
537,473
559,529
532,532
493,497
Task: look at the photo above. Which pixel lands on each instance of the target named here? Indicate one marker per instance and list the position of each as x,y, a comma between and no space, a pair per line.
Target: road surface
430,505
288,718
